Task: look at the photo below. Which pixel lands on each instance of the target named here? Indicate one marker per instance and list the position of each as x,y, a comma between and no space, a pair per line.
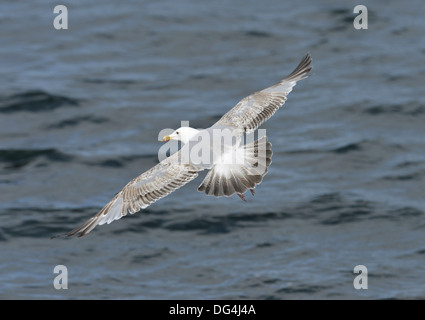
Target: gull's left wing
152,185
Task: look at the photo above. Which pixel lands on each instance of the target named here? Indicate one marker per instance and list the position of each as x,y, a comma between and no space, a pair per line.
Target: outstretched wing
255,109
156,183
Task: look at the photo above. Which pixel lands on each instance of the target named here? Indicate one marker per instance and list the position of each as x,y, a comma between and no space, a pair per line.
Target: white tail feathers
228,179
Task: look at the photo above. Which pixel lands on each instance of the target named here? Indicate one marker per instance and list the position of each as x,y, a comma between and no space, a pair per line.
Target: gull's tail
227,179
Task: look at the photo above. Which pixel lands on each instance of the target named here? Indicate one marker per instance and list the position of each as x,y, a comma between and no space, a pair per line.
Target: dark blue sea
80,113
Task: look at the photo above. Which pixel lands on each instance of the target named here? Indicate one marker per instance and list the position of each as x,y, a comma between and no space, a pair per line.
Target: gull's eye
177,132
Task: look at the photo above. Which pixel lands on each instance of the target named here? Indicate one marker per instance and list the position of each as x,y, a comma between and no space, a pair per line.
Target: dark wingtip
62,235
303,68
81,231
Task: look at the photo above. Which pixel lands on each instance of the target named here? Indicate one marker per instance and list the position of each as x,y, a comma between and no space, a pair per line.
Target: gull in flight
225,177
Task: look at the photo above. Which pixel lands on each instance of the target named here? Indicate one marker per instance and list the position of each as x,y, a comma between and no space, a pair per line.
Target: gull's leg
241,196
252,191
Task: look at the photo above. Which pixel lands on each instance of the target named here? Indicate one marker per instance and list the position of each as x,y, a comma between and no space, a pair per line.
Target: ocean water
80,114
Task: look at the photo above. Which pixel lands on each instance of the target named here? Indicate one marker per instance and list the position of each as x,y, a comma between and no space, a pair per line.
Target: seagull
224,178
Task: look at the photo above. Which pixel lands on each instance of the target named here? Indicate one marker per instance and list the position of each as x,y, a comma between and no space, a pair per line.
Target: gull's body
223,178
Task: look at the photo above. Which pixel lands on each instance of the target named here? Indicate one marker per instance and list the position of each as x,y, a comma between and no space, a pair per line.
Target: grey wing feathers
156,183
255,109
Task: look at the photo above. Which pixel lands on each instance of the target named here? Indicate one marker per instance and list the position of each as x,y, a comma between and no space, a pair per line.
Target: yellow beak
166,138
